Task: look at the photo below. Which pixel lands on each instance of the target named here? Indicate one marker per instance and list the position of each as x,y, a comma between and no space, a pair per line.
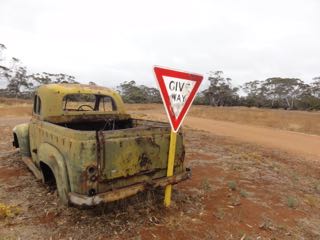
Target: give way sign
178,90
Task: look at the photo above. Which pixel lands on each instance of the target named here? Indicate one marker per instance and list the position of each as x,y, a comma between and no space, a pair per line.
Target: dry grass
142,107
298,121
15,107
6,102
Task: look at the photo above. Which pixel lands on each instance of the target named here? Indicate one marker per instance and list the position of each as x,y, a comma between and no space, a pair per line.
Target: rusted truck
81,140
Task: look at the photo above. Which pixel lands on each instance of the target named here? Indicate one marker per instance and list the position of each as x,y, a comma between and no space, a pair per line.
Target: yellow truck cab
81,140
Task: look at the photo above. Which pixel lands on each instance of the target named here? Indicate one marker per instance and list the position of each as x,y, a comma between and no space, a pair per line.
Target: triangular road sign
178,90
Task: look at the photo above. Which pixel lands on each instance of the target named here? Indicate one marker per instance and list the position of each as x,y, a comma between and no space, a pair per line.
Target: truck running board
28,161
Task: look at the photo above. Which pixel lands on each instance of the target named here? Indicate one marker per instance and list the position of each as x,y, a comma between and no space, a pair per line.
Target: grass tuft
205,185
243,193
232,185
8,211
292,202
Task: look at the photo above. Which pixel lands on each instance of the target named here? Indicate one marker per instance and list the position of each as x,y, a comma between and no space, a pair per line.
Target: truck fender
52,158
21,139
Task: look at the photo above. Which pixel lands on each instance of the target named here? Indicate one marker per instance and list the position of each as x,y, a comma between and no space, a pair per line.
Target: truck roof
67,88
52,95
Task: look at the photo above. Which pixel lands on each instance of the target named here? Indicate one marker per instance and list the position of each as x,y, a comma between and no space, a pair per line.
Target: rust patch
100,150
144,160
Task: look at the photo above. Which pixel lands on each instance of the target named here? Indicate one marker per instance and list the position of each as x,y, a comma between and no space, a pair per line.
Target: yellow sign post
172,153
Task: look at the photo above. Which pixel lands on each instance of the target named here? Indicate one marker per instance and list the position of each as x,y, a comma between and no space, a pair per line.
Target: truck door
33,131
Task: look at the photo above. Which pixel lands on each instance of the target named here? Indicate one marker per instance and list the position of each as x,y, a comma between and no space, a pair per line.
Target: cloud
110,42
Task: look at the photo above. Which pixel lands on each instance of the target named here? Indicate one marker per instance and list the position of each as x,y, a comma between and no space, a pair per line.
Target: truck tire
54,162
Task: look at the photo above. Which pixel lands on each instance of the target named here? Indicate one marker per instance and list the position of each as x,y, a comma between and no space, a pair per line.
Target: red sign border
160,72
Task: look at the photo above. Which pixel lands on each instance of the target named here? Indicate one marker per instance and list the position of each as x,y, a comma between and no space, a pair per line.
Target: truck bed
119,152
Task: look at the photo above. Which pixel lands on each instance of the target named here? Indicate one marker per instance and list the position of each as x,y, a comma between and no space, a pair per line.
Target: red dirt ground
239,190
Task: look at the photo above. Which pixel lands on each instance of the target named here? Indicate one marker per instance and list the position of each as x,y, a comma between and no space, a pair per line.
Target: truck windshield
88,102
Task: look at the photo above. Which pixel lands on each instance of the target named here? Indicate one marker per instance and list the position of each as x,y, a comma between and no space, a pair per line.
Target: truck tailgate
131,152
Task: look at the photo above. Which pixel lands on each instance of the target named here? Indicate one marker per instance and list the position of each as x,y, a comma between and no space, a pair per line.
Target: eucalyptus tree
220,91
283,91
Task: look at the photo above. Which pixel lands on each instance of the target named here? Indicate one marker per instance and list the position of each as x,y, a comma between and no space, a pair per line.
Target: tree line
274,92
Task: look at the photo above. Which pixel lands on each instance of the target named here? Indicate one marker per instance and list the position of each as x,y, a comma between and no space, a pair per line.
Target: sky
109,42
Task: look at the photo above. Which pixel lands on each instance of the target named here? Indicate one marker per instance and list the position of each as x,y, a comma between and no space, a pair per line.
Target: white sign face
179,91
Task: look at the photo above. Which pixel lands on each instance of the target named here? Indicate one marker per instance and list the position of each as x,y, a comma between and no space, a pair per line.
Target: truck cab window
107,104
36,105
79,102
88,102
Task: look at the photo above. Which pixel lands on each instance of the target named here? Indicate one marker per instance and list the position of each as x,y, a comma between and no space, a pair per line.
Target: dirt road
293,142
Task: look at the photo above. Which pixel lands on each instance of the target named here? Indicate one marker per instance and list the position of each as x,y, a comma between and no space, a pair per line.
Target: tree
133,93
315,87
4,70
19,82
92,83
2,49
152,94
16,76
46,78
256,93
5,73
310,97
200,99
220,91
284,91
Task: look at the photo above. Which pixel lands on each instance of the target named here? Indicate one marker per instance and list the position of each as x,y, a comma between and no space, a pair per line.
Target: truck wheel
49,178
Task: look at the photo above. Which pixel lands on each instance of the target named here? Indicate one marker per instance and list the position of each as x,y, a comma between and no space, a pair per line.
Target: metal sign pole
172,153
